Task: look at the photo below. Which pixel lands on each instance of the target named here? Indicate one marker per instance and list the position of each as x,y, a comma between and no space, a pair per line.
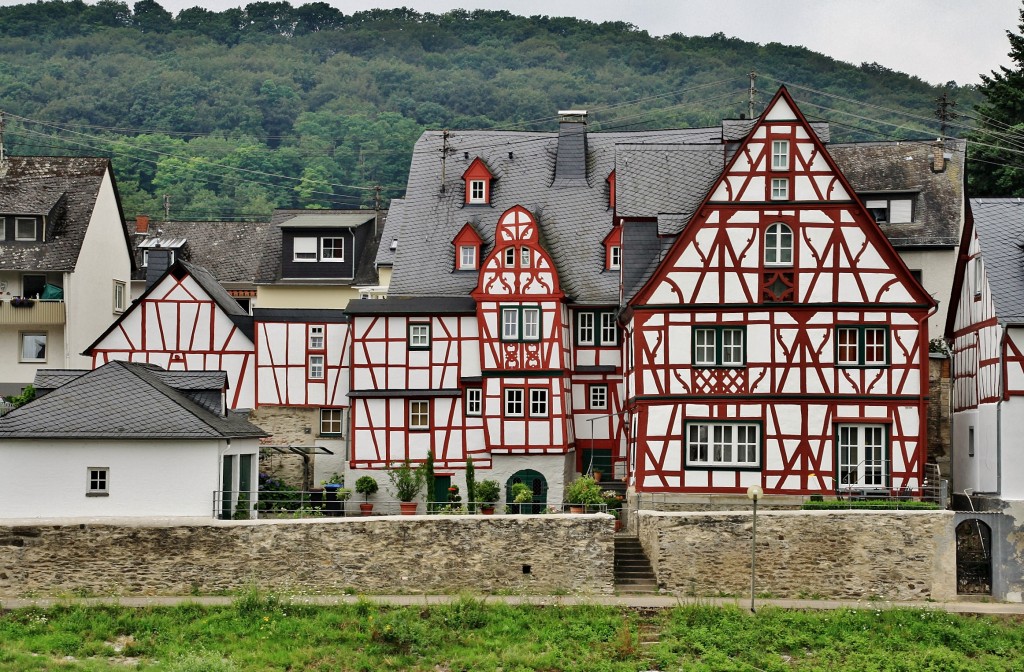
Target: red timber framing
302,363
780,321
597,363
523,330
391,368
176,325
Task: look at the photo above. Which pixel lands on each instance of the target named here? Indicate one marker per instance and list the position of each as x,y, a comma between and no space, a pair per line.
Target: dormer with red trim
611,189
478,179
467,244
613,249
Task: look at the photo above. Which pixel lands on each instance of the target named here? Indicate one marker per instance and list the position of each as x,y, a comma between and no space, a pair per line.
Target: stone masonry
400,554
890,555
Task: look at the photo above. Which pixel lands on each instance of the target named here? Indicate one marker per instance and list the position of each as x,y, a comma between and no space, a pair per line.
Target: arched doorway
537,483
973,558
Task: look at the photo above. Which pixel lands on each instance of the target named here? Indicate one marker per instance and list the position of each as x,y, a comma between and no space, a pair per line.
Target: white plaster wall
304,296
1012,449
89,290
977,472
937,269
147,478
16,372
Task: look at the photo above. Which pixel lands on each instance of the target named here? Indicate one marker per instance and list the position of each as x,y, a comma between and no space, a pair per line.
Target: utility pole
944,112
2,135
167,207
376,208
750,95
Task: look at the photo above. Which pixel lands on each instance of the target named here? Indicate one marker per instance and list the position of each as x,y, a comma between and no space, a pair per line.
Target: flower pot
618,524
576,509
408,508
487,510
597,476
365,508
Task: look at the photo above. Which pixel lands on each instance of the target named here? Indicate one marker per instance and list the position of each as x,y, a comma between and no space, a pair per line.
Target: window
970,442
978,278
474,401
525,257
304,249
510,257
538,403
467,257
862,346
419,336
97,481
596,328
33,347
719,346
33,285
513,402
419,414
888,210
316,337
778,245
780,189
597,396
477,191
316,367
332,249
780,154
25,228
332,421
119,296
719,444
614,257
520,323
862,456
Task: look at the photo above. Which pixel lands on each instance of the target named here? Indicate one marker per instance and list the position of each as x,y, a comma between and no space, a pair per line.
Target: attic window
780,154
478,183
25,228
467,257
477,191
614,257
891,210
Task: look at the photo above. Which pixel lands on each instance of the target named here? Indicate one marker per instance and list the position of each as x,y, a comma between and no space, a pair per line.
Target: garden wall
400,554
890,555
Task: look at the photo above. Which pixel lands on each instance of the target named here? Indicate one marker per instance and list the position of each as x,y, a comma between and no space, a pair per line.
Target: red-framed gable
467,237
613,240
478,170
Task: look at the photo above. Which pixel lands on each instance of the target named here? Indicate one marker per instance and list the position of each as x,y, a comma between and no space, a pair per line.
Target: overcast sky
937,40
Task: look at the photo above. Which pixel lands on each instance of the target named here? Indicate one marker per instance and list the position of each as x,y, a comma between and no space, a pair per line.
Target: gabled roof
999,225
122,400
880,167
231,251
390,233
34,185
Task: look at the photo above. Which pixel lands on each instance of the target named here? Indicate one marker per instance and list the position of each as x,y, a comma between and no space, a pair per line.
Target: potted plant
407,482
487,493
366,486
583,492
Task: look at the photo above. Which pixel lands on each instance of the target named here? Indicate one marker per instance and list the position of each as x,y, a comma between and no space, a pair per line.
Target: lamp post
754,493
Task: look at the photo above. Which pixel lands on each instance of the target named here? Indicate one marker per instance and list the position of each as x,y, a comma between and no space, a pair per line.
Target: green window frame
596,328
719,346
862,346
523,324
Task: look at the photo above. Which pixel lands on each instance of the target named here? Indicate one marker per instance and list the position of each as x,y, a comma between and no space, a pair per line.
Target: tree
996,167
150,17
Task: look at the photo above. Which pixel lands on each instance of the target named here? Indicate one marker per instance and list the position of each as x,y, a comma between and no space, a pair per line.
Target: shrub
407,481
584,490
488,492
880,504
366,486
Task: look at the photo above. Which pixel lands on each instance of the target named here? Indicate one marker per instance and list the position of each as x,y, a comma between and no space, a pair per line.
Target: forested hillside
232,113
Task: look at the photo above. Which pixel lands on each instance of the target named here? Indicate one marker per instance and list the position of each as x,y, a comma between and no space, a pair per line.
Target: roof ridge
174,395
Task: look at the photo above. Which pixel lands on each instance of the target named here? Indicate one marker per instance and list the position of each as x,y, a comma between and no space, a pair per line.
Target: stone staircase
633,573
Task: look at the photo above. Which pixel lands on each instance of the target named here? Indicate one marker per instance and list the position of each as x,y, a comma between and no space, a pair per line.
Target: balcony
39,313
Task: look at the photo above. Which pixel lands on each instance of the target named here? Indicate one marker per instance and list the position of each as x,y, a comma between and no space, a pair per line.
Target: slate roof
35,185
269,268
874,167
385,255
231,251
573,220
48,380
121,400
999,224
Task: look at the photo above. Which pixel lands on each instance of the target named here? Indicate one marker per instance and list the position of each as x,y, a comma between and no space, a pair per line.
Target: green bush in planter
407,481
366,486
488,492
584,490
521,493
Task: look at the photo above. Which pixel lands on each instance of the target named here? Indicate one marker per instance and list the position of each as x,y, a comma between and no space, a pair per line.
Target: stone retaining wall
400,554
890,555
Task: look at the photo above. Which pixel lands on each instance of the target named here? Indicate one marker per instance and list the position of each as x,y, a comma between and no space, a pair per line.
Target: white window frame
525,257
514,404
729,445
419,414
778,245
419,335
861,456
474,401
18,221
597,397
705,349
586,331
97,481
780,154
979,278
539,402
467,257
21,346
309,246
780,189
478,191
335,253
510,257
510,324
315,367
120,294
719,346
317,337
609,329
614,257
331,418
530,323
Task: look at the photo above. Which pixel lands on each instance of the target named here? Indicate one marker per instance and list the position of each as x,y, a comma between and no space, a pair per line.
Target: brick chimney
939,157
142,224
571,155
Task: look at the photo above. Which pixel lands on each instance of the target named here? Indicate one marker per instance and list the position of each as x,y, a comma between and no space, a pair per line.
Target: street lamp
754,493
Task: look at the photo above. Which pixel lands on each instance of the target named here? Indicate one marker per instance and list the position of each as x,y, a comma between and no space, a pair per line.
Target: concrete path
631,601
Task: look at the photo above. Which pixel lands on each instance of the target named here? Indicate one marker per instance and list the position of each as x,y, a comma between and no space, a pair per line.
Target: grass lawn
263,633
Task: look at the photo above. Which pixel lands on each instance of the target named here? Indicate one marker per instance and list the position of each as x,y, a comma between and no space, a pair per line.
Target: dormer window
613,249
467,249
25,228
897,209
467,258
305,249
478,180
614,257
332,249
